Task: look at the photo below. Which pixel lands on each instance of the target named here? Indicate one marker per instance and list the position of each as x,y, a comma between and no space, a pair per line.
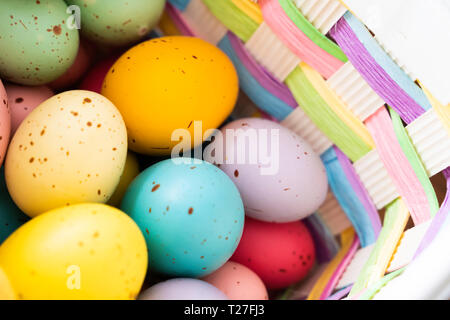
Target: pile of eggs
92,203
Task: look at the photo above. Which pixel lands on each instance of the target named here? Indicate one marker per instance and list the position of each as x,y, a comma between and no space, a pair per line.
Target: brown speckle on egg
156,187
57,30
191,210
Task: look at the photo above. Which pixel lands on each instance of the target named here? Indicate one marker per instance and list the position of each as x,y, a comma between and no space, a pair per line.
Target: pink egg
279,176
22,100
93,80
183,289
238,282
5,122
76,71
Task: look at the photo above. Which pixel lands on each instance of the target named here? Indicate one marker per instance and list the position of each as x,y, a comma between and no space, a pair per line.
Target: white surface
417,33
427,277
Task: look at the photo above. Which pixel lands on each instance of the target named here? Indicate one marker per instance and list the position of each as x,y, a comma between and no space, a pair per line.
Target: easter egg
167,84
190,213
24,99
70,149
93,80
183,289
36,44
118,22
280,254
76,71
130,171
85,251
5,122
279,176
6,290
238,282
11,217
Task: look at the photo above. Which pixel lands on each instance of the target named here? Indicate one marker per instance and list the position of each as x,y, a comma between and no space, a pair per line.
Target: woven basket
381,131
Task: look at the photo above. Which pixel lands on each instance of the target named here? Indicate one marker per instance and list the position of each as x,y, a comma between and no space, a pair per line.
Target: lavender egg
278,175
183,289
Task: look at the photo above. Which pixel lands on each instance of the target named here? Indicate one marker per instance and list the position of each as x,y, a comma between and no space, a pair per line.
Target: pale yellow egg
70,149
84,251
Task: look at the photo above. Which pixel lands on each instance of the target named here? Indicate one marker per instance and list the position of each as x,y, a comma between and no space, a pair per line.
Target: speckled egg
130,172
5,122
168,83
85,251
279,176
93,80
77,70
119,22
281,254
24,99
238,282
183,289
36,44
11,217
190,213
70,149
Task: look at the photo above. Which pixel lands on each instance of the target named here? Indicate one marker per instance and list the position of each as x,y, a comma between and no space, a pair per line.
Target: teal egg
36,45
191,215
118,22
11,217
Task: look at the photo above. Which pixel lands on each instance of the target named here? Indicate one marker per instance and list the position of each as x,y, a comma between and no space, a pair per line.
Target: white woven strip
403,255
323,14
351,87
355,267
431,141
203,23
376,179
271,52
302,125
333,215
408,246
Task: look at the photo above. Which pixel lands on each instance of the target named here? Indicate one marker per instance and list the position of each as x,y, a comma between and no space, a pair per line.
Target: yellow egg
84,251
70,149
129,173
168,83
6,290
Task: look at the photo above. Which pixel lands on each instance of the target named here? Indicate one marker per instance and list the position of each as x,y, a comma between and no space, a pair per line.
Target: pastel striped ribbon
296,40
387,79
398,166
233,18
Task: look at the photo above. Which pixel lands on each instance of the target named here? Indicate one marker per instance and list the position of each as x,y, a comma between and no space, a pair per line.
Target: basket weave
316,68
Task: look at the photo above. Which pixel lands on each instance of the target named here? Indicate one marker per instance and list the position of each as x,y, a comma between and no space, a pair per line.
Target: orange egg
169,83
238,282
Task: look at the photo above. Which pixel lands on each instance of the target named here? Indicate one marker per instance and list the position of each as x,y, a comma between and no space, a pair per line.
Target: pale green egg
118,22
36,44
